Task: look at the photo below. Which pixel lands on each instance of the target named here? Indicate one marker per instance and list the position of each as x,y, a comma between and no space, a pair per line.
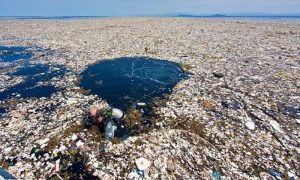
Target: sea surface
244,18
125,81
261,18
36,75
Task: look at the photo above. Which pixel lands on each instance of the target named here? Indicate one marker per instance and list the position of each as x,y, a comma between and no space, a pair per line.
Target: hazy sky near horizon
143,7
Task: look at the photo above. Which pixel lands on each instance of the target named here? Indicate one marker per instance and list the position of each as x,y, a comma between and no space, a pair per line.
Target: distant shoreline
178,16
295,19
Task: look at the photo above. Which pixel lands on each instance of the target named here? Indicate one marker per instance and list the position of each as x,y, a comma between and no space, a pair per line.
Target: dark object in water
136,78
218,75
12,161
5,175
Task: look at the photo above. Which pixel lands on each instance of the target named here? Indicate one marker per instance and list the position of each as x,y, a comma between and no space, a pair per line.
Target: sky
144,7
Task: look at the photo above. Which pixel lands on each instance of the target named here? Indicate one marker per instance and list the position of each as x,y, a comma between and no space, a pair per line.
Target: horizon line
162,15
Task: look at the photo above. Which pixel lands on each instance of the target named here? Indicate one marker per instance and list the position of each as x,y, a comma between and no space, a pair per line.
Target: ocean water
2,110
125,81
10,54
249,18
34,74
51,17
241,18
263,18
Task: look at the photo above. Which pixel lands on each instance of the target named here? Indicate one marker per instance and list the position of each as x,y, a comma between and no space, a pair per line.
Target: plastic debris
289,110
37,150
71,101
250,125
133,175
142,163
74,137
136,174
57,165
257,81
291,176
43,141
276,126
218,74
216,175
59,177
110,130
265,176
275,173
141,104
79,143
5,175
62,148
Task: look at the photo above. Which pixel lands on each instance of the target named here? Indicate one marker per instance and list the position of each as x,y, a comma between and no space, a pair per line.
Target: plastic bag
110,130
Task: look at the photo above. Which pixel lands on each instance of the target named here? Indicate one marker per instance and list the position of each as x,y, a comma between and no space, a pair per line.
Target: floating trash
141,104
34,78
109,121
125,81
275,173
250,124
5,175
34,74
276,126
142,164
216,175
292,176
289,110
110,129
233,104
136,174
